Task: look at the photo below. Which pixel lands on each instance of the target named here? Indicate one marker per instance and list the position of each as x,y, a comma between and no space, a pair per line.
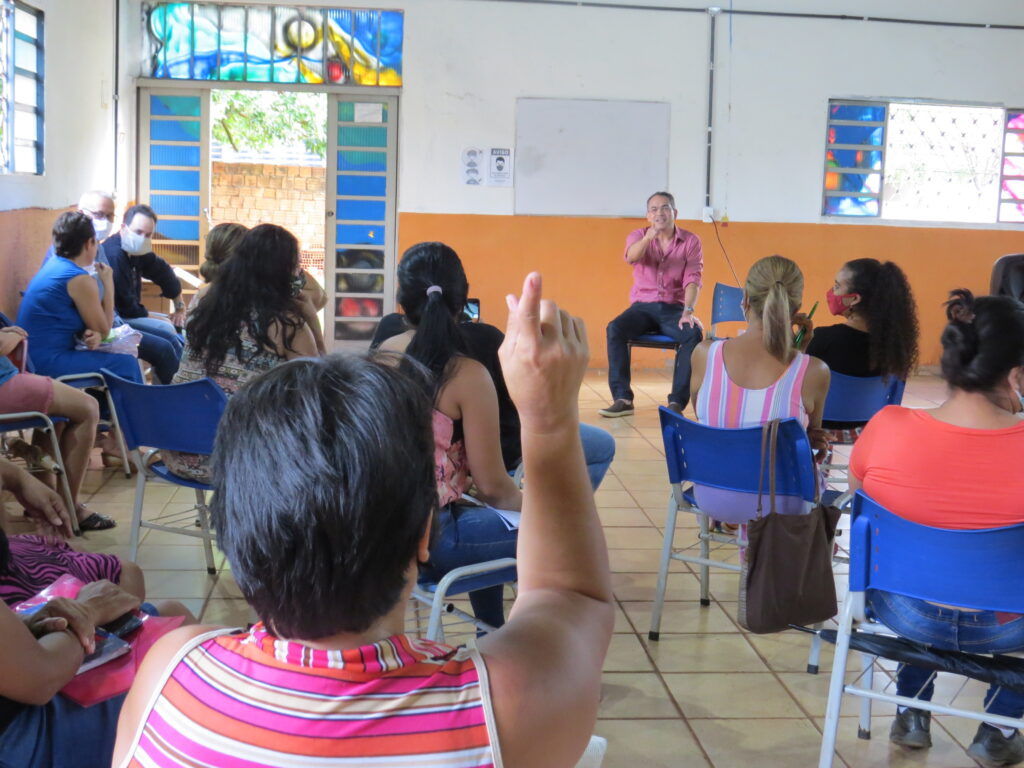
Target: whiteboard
580,157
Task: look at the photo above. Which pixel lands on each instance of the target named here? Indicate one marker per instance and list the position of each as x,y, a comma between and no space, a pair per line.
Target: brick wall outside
291,196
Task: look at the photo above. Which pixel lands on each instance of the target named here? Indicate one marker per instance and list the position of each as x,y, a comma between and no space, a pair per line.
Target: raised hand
543,358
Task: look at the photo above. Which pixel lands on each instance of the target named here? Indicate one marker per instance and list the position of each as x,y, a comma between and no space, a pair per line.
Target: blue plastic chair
856,398
726,307
980,569
728,459
174,417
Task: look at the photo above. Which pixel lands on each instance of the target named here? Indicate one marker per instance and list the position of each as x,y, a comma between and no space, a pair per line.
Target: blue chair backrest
980,569
725,304
174,417
857,398
730,458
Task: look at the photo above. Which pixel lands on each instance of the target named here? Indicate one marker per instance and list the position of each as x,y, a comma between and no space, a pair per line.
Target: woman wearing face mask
248,322
879,334
914,461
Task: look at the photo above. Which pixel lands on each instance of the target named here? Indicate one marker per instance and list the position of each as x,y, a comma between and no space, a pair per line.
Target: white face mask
135,244
102,228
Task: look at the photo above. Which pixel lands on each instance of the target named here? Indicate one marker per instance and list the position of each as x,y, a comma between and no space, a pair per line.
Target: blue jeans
465,536
61,734
641,318
950,630
161,346
470,535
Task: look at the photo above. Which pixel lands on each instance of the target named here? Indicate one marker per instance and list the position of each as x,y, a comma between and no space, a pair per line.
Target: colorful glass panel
874,113
362,210
353,306
280,44
856,134
355,282
354,331
1013,165
360,234
1012,212
360,258
353,160
174,130
177,181
362,186
174,106
851,206
362,112
854,158
173,154
362,136
1014,142
175,205
177,229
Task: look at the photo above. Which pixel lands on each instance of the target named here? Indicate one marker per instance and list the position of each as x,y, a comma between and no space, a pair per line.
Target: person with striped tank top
325,547
759,376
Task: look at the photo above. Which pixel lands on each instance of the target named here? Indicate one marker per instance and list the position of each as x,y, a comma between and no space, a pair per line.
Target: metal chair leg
204,523
663,566
705,553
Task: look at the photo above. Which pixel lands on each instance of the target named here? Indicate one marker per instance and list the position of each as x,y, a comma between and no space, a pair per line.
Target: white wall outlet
707,214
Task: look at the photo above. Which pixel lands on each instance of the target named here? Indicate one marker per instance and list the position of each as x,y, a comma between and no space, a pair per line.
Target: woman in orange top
912,462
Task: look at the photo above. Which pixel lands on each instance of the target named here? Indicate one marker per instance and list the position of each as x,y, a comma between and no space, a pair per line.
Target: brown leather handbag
786,576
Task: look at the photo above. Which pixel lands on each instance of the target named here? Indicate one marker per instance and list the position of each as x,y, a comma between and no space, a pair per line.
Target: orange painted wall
581,260
26,236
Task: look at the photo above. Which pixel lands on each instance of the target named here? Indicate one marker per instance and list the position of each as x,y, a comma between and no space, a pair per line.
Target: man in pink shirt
667,264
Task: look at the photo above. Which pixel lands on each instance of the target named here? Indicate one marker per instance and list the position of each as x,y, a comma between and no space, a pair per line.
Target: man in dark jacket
130,254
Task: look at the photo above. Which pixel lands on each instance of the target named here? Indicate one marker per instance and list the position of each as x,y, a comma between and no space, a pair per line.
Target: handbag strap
773,447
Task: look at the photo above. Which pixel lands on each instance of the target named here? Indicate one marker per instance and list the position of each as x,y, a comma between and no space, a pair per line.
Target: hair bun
960,307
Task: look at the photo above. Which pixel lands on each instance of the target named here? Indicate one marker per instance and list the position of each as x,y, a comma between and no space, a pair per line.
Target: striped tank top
723,403
236,699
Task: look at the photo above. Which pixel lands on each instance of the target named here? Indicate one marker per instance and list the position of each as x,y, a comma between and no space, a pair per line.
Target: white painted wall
78,87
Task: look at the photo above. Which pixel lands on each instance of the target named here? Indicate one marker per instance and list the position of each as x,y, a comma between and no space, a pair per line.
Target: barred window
924,162
21,88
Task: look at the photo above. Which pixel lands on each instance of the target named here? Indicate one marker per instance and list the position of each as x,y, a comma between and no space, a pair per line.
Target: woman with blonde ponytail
760,375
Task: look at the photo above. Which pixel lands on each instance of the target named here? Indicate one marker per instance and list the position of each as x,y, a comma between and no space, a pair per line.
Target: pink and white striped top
237,699
723,403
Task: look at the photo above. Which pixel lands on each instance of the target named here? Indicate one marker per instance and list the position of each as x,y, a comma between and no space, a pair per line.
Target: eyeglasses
98,214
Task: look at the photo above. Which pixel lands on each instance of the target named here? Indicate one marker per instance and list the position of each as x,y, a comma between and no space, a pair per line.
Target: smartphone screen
471,312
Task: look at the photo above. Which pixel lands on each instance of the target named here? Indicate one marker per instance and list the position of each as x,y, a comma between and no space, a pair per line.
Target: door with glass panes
174,177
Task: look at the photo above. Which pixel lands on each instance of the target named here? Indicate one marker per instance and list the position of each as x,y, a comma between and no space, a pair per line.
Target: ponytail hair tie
434,289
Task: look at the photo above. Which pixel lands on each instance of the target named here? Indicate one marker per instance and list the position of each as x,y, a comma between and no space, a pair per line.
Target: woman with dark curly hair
879,335
914,462
248,322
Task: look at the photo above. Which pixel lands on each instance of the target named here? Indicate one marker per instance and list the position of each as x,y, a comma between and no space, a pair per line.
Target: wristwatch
687,308
179,305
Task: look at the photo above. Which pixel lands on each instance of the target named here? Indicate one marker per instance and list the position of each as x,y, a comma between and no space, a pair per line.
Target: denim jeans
161,346
61,734
952,630
641,318
465,536
598,452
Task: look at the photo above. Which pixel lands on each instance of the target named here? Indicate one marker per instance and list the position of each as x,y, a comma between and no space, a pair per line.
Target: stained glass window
1011,198
854,153
21,88
924,162
275,44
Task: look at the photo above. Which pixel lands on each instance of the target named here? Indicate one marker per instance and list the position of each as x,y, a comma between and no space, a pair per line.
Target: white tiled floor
707,694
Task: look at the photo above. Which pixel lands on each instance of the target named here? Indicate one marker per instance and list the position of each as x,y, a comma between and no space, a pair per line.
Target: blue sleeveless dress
51,319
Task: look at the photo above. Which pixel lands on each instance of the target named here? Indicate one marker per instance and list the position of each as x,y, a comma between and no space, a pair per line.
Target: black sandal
96,522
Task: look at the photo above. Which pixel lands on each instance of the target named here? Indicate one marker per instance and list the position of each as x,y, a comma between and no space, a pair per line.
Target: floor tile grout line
664,685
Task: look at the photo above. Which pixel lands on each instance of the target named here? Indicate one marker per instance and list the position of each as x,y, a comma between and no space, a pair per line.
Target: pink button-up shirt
663,275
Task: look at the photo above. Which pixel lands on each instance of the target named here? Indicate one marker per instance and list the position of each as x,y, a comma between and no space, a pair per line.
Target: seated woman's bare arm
698,364
86,295
545,663
471,391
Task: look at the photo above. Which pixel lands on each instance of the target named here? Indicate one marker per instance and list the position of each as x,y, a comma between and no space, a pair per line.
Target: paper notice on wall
499,168
369,112
472,167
